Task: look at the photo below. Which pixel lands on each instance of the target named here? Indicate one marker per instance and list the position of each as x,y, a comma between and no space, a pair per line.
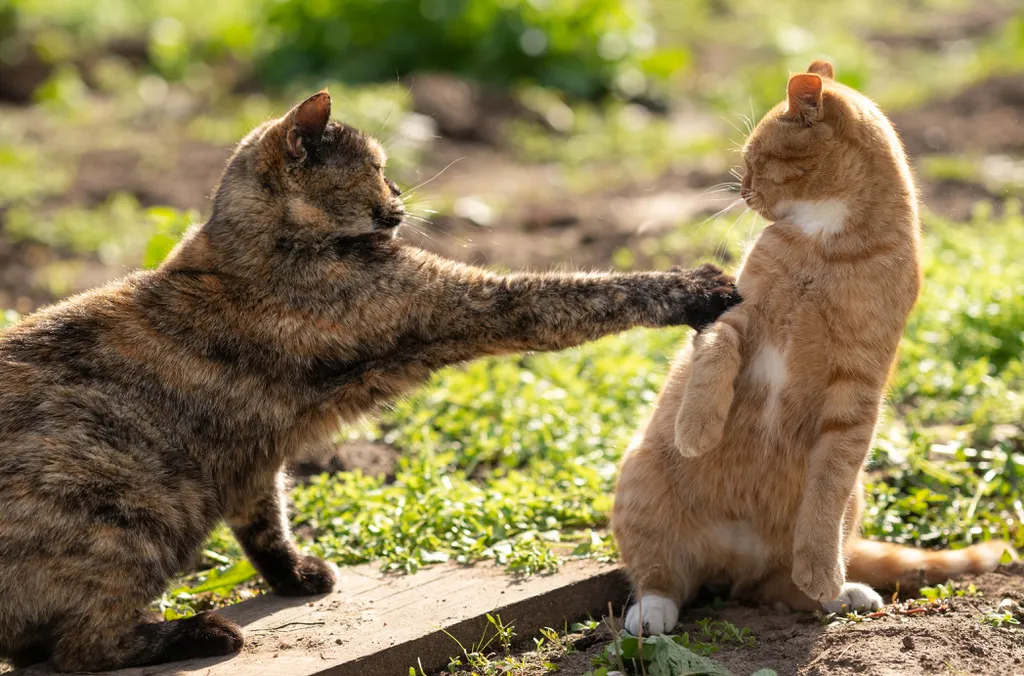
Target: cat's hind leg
89,643
651,615
780,591
647,524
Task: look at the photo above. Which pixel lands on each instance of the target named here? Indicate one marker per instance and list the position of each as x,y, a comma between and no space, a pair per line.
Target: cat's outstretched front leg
717,357
467,313
261,527
552,312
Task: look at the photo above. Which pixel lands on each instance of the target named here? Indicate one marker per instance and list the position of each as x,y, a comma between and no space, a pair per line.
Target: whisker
718,194
721,187
731,124
413,189
419,231
419,201
717,215
386,119
748,122
723,244
753,222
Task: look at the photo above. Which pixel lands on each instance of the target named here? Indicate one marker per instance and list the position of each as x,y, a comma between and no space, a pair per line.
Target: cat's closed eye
780,171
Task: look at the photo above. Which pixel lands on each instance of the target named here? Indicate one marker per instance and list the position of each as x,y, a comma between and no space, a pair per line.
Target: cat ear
804,96
822,68
306,123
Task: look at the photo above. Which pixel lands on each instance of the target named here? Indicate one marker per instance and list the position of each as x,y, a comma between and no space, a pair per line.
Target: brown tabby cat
136,416
749,471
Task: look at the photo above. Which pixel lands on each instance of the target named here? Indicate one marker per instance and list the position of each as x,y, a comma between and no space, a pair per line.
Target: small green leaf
222,581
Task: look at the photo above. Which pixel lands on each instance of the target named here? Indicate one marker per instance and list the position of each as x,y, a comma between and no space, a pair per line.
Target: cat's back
60,345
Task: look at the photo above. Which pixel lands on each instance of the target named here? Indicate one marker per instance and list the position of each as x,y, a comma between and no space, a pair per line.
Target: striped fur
749,470
135,417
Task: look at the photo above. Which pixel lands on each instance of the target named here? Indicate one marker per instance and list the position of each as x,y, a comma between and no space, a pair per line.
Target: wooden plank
377,625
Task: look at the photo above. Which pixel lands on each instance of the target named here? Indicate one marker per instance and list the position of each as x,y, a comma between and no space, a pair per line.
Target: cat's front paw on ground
818,572
310,576
854,597
655,614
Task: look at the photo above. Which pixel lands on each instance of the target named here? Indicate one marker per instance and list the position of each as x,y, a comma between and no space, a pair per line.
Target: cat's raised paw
707,293
854,597
696,434
654,613
310,577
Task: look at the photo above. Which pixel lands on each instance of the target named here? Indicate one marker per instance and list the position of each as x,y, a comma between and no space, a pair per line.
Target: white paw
854,596
659,615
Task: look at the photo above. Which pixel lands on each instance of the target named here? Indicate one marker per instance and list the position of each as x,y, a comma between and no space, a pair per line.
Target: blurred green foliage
8,317
584,47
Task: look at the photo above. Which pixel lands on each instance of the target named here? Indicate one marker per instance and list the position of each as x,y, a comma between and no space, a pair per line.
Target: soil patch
953,642
372,458
985,118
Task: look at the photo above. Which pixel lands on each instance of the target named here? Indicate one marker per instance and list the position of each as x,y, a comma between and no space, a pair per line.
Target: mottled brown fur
135,417
749,471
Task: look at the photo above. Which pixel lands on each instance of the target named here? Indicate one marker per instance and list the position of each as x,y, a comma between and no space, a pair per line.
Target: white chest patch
769,369
822,217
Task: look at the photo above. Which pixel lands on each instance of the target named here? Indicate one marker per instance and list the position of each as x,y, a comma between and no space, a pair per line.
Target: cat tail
883,564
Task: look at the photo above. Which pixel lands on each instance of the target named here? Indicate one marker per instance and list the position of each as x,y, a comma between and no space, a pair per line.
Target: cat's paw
697,433
710,292
655,614
854,596
818,572
310,577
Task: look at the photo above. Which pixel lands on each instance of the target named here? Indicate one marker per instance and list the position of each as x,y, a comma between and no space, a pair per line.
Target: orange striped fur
748,472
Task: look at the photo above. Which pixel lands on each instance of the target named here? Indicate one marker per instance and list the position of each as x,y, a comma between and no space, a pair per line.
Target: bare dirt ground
954,641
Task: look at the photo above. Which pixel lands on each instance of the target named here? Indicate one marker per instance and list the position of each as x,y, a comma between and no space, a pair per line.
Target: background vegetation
584,133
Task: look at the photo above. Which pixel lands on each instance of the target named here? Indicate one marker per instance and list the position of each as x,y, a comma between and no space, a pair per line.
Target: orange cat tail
883,564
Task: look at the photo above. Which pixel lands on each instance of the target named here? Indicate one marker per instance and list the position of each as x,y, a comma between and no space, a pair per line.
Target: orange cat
749,470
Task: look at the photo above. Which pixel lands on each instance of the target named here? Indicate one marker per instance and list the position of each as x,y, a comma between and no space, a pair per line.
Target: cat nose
745,193
393,186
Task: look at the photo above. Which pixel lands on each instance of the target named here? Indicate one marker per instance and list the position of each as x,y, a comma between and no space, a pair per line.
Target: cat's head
320,177
822,145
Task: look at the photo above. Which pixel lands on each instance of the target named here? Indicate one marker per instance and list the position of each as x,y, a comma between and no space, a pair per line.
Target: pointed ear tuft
307,122
822,68
804,96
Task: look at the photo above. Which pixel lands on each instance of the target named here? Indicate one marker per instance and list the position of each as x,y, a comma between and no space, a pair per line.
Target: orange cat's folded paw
818,573
696,433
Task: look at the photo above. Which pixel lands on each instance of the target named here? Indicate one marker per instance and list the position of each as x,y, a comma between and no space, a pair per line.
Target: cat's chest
772,284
